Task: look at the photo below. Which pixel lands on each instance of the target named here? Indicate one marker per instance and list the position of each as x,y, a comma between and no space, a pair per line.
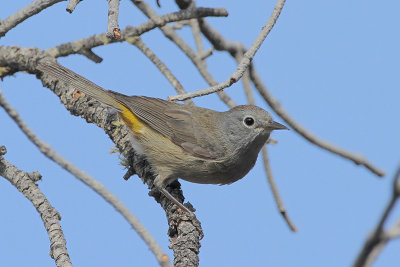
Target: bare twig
161,256
281,207
24,13
90,55
201,53
80,46
278,109
279,203
194,24
394,231
246,84
215,38
72,4
391,234
50,217
113,31
137,41
245,62
378,238
170,33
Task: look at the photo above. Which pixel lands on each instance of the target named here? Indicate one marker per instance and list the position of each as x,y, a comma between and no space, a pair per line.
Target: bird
182,141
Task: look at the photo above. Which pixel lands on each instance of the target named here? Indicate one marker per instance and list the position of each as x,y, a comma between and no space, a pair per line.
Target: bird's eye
249,121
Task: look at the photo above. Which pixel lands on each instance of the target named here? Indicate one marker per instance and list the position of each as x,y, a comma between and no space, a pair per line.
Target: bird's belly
218,172
172,162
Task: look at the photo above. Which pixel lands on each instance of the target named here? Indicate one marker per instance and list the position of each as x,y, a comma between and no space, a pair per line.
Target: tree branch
138,42
50,217
71,5
194,24
75,47
278,109
24,13
170,33
279,203
378,238
245,61
113,31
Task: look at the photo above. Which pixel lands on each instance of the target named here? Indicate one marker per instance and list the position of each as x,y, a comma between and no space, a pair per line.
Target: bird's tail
78,82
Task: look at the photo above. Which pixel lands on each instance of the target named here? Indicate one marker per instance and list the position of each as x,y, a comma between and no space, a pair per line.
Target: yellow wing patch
130,119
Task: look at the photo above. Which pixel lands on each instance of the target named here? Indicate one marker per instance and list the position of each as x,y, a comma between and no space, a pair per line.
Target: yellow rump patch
130,119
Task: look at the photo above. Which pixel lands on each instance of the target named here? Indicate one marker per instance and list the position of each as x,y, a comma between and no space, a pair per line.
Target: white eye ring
248,121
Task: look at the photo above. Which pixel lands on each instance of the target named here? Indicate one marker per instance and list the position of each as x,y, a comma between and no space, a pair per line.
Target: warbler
195,144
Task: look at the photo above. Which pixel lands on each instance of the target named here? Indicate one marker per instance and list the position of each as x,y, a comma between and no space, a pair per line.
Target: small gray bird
179,141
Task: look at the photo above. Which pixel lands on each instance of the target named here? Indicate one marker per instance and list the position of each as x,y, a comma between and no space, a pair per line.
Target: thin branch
246,84
24,13
267,167
72,4
219,43
378,238
113,31
281,207
170,33
50,217
278,109
137,41
245,62
394,231
201,53
90,55
84,44
391,234
194,24
99,188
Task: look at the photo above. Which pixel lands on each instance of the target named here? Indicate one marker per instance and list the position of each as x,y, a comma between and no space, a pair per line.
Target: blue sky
334,66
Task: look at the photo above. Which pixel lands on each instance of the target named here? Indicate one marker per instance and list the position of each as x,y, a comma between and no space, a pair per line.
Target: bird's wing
177,122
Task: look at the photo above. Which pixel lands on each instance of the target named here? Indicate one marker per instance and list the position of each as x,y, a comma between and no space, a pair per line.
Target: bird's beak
273,125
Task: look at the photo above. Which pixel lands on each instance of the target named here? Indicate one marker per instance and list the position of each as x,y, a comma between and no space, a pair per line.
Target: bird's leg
174,200
158,182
